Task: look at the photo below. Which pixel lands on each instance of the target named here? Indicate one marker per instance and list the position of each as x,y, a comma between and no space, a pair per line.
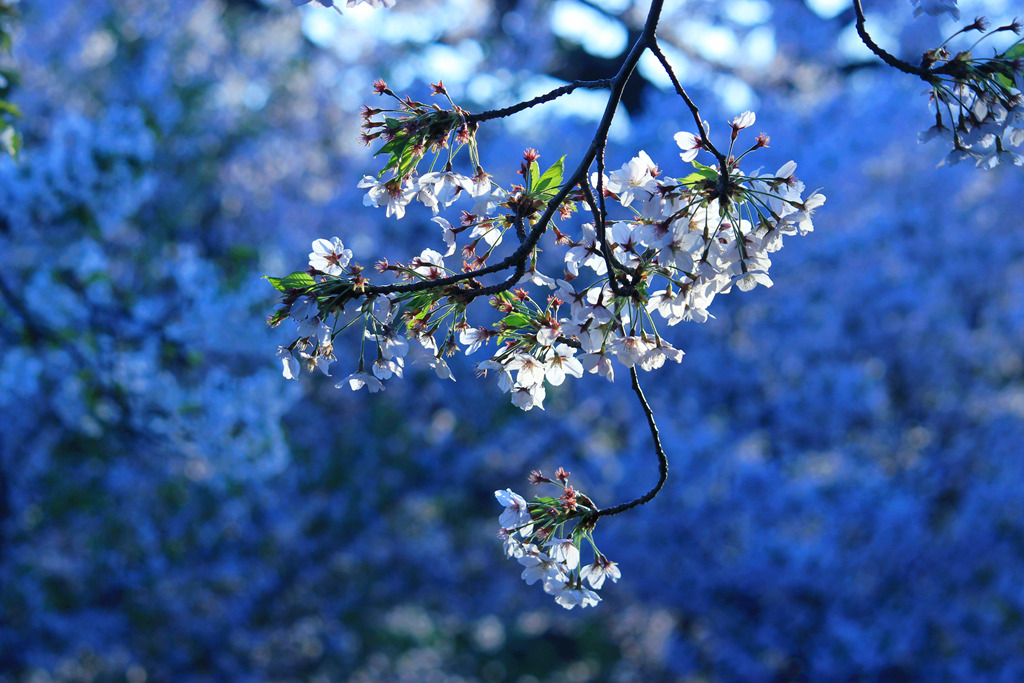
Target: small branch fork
519,257
547,97
658,450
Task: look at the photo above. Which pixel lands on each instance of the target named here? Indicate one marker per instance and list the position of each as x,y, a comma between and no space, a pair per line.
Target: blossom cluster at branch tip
977,101
545,537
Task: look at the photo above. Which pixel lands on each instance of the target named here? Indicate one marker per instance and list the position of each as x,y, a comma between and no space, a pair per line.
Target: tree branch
547,97
658,449
694,110
882,54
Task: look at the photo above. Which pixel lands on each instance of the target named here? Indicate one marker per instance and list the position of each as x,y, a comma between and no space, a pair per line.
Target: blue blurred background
846,499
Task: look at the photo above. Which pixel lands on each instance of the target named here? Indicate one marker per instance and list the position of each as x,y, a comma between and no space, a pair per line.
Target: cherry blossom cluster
537,535
687,240
410,133
977,101
681,242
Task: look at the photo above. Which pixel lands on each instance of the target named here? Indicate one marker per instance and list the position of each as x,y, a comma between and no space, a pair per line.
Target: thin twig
541,99
705,135
610,262
658,449
882,54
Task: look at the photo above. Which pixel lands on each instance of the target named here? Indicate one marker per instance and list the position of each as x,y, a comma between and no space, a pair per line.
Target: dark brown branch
694,110
882,54
517,260
658,449
547,97
599,225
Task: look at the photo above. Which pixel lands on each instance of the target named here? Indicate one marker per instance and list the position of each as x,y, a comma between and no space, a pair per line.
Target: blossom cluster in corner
977,101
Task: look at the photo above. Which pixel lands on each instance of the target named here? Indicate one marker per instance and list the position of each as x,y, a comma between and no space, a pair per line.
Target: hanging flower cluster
977,100
410,133
546,537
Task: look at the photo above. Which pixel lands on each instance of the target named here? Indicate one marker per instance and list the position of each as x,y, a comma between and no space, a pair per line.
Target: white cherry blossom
563,363
449,234
429,264
601,569
541,567
360,379
516,514
329,256
505,381
630,349
564,550
290,366
530,369
689,143
636,175
528,397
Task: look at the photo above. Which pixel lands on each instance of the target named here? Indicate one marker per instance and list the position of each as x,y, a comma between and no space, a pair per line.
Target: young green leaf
297,280
551,179
532,176
515,320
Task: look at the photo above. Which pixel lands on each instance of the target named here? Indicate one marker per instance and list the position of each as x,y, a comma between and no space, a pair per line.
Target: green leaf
420,305
702,173
297,280
705,171
515,320
552,177
408,163
391,146
532,173
1014,53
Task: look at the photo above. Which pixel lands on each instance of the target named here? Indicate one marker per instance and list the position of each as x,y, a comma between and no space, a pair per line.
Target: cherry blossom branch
658,449
541,99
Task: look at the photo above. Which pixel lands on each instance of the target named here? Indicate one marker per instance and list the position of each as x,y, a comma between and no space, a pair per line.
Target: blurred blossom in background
846,497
